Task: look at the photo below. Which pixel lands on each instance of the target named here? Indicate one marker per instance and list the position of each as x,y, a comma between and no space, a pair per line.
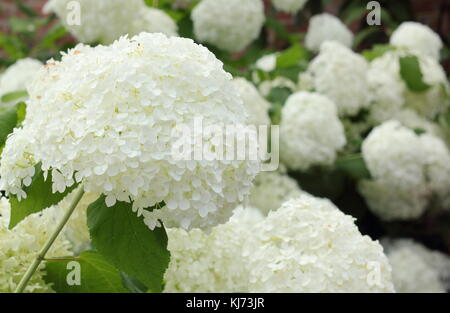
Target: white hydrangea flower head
437,162
271,190
211,262
76,230
289,6
310,131
231,25
267,63
114,112
19,76
257,107
390,201
279,82
326,27
17,165
19,247
389,93
340,74
406,171
309,245
153,20
106,21
417,269
417,37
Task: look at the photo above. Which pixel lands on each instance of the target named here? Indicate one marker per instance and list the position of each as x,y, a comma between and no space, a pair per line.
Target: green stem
41,256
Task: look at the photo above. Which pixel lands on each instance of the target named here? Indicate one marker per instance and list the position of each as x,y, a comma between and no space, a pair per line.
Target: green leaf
125,241
354,13
97,275
132,284
25,9
8,121
419,131
39,197
291,56
376,51
26,26
293,72
14,96
13,46
364,34
412,75
278,28
279,95
275,113
21,112
354,166
56,32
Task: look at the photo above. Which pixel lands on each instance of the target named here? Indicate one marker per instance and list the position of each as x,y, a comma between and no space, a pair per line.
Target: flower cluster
267,63
417,269
19,247
325,27
213,262
407,170
419,38
19,76
307,245
310,131
230,25
390,94
340,74
114,111
106,21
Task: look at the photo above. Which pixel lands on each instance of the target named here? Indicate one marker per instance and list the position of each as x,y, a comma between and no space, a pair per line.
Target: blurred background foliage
24,31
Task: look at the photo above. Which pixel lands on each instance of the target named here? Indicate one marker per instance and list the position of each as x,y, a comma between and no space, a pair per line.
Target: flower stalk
41,255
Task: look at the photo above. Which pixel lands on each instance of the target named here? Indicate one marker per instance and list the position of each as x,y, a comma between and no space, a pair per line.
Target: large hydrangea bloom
310,131
109,117
419,38
19,247
107,20
407,171
309,245
340,74
390,94
326,27
230,25
19,76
